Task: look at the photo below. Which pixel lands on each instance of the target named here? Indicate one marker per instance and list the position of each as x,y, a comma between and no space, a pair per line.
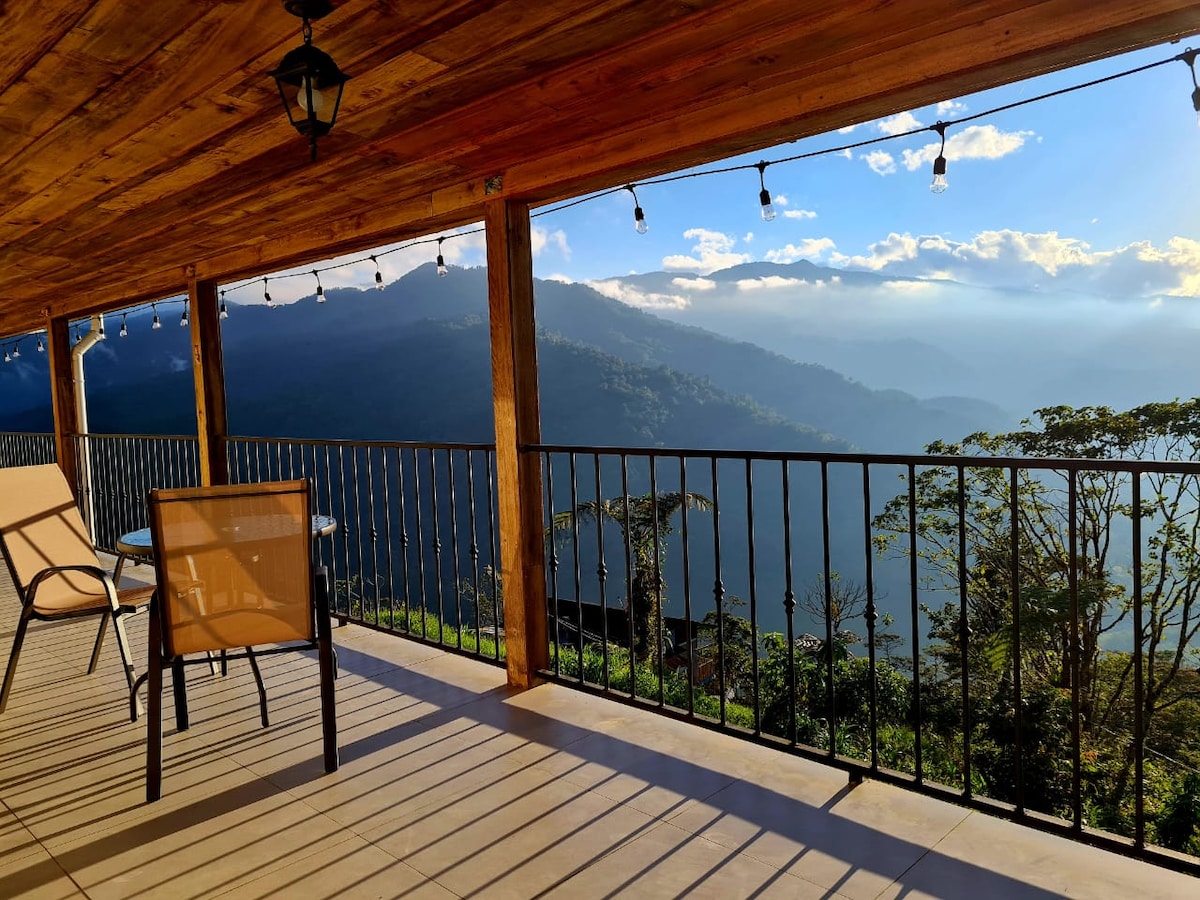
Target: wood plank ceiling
143,142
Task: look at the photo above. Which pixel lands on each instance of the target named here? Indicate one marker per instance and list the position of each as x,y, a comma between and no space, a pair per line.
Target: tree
645,523
728,643
1053,607
486,598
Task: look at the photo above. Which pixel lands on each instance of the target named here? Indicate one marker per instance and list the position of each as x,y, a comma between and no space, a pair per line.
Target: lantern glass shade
310,86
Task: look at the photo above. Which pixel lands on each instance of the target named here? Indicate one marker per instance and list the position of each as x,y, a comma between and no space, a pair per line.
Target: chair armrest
95,571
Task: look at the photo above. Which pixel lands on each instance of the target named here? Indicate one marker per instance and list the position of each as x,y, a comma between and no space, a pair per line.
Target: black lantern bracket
309,81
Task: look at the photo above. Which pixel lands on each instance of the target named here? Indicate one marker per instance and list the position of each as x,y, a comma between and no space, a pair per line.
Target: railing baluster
689,638
387,536
420,532
1073,655
435,515
552,563
404,570
1015,590
458,622
718,587
830,698
575,559
628,573
1139,685
373,528
789,602
914,598
870,616
658,580
964,630
473,528
491,506
601,572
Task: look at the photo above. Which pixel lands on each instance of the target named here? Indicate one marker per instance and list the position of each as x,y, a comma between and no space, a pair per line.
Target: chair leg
179,689
262,690
135,705
22,625
123,645
154,714
327,662
99,642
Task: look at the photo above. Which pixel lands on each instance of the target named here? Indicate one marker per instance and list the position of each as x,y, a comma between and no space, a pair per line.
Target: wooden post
208,369
518,473
62,387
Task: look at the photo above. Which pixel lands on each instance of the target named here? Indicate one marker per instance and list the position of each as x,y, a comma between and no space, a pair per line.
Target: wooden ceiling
141,143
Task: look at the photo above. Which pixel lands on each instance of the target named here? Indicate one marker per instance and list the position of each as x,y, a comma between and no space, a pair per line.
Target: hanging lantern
309,81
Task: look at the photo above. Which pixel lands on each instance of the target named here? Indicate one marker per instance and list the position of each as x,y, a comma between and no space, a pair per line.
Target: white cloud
634,296
694,284
748,237
809,248
1043,261
880,161
973,142
713,250
846,129
893,248
561,279
899,123
768,282
845,154
780,200
799,214
950,108
539,239
909,287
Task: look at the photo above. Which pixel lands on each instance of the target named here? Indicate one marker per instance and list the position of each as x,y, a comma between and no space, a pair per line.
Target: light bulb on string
183,320
78,336
378,275
223,312
157,323
441,261
639,217
1189,56
124,332
764,196
100,335
16,351
41,346
267,294
939,183
7,358
320,289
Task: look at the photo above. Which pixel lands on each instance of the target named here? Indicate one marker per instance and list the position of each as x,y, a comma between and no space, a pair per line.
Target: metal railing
1007,633
416,551
21,448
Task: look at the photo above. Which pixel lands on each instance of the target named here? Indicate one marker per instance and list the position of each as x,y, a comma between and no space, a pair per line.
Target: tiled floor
451,785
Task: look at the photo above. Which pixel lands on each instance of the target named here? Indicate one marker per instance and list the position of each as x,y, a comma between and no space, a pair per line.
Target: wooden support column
62,387
518,473
208,368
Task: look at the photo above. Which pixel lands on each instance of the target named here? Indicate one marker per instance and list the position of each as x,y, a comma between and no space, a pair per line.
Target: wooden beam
208,369
518,473
62,390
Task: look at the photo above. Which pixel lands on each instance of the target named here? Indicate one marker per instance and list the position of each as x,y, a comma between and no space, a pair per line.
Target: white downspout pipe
89,340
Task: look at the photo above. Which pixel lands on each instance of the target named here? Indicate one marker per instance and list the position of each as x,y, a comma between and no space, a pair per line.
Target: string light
156,324
223,313
639,217
441,261
16,351
41,346
124,332
100,335
764,196
183,320
1189,56
939,183
7,358
267,294
320,289
378,275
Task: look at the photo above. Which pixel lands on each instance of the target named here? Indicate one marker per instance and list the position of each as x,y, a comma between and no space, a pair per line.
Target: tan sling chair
53,563
234,570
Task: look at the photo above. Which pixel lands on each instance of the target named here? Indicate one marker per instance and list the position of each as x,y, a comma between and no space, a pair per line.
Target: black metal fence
416,550
19,448
1013,634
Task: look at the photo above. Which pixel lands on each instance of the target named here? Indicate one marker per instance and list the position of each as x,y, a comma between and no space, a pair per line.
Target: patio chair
54,565
234,571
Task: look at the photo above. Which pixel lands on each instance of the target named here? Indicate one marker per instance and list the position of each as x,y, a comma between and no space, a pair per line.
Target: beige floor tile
856,842
35,877
986,858
670,862
512,838
350,870
16,841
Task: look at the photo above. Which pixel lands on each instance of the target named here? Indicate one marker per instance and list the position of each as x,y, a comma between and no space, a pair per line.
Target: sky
1093,192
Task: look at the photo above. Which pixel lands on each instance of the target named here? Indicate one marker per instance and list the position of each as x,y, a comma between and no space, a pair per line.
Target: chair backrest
234,565
40,525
